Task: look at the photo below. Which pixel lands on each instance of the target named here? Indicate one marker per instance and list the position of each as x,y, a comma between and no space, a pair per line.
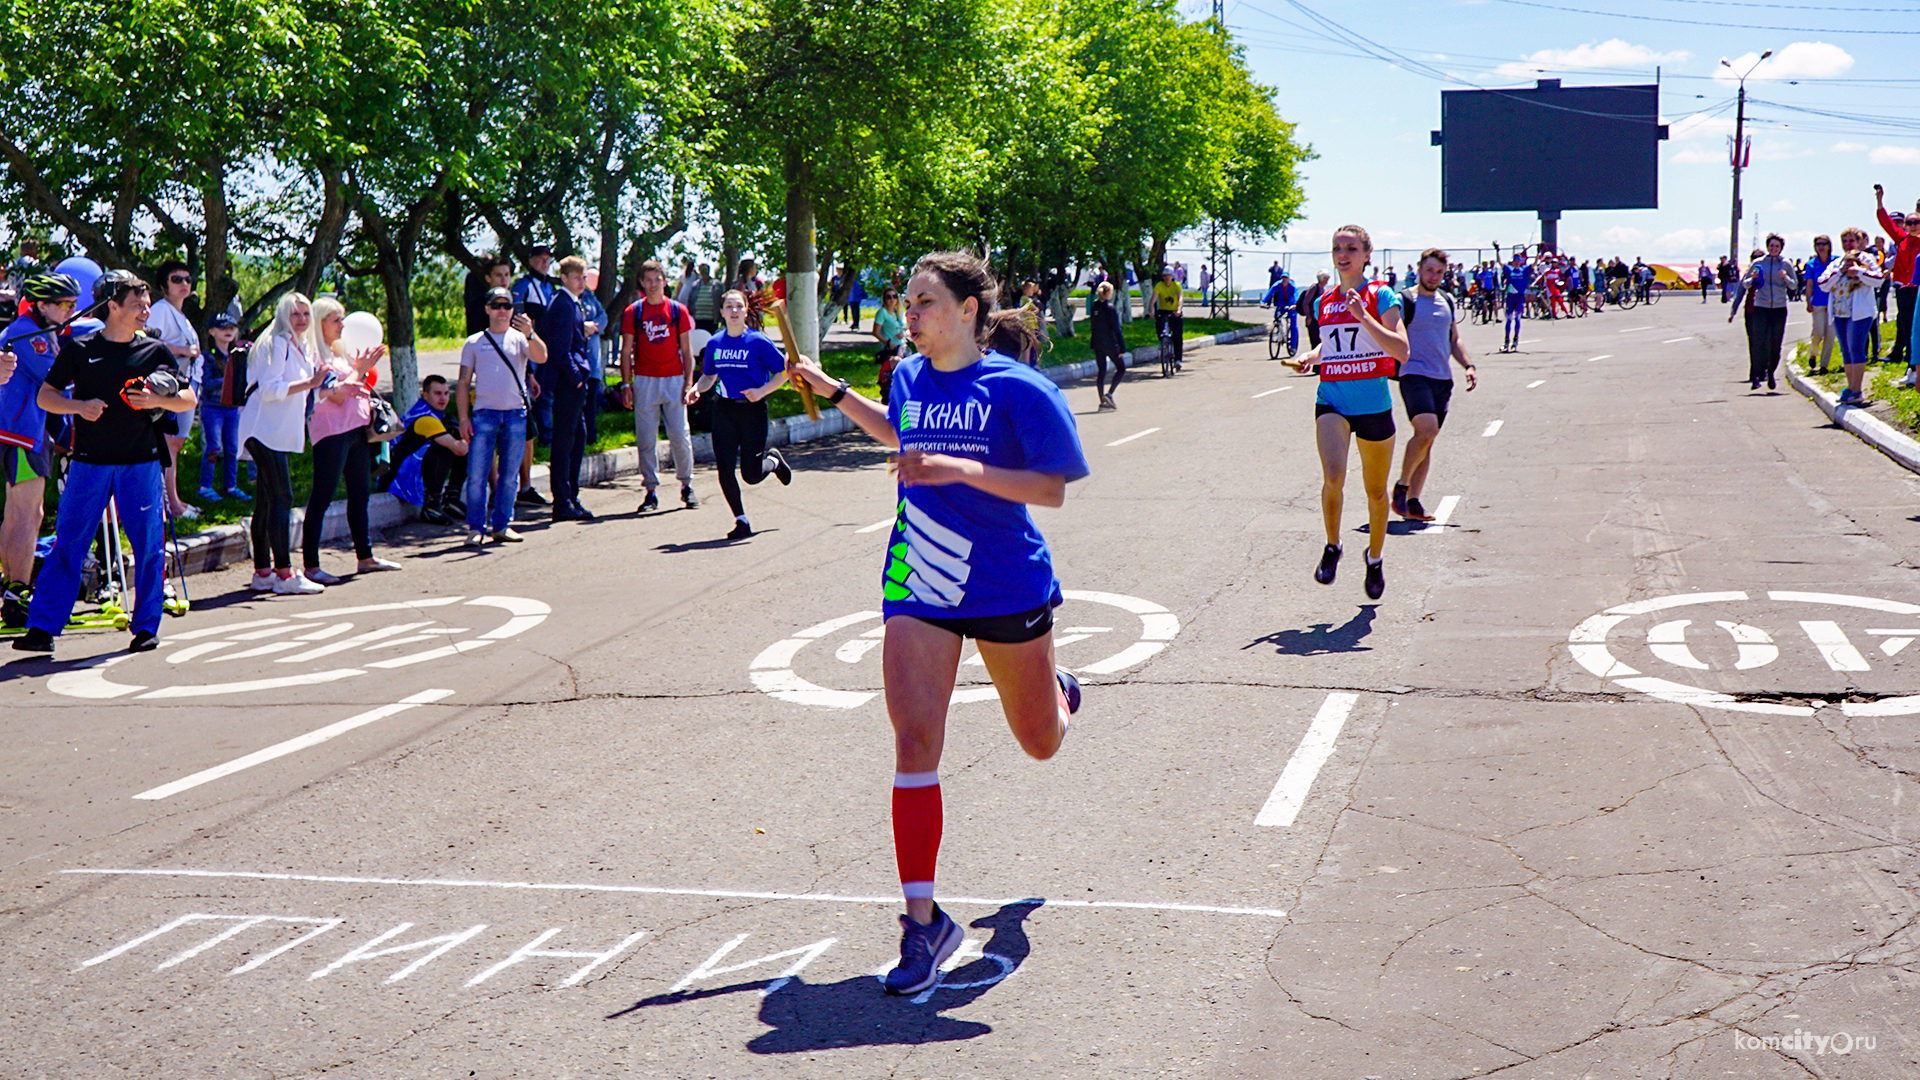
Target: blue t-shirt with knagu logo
742,363
958,552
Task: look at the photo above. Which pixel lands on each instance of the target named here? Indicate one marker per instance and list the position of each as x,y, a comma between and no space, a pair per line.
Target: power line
1876,32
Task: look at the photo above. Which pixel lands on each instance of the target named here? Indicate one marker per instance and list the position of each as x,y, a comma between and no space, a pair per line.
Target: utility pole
1739,155
1218,248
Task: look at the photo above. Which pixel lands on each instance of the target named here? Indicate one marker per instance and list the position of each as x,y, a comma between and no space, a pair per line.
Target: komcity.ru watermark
1840,1042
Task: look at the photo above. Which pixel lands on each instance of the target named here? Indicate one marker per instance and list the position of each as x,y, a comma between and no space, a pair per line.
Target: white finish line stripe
649,890
1275,390
1135,435
311,738
1492,429
1314,750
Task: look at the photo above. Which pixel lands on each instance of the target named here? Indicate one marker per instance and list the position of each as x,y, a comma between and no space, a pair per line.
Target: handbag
383,423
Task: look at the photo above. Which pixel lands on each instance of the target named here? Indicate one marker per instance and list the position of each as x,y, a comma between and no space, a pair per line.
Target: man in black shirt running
122,384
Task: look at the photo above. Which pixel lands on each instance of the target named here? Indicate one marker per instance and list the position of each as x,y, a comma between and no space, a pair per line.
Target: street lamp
1739,154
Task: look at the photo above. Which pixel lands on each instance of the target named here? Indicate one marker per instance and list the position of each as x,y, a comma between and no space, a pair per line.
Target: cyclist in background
1167,318
1281,296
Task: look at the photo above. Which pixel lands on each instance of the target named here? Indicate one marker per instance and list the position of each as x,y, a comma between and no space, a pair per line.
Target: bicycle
1280,336
1622,297
1166,348
1653,289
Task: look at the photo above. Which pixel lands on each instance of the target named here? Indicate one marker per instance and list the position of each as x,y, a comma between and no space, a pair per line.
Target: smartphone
328,380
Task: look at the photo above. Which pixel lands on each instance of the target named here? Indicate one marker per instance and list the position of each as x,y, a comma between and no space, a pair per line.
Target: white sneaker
321,577
262,581
188,512
507,536
476,539
297,585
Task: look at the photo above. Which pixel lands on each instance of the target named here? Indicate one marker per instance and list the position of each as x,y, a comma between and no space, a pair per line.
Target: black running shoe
741,530
13,605
581,513
1376,578
1415,511
530,497
1400,499
433,515
780,467
688,498
1329,565
144,641
34,640
651,502
1069,686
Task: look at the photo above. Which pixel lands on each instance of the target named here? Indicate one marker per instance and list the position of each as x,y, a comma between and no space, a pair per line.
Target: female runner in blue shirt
746,366
1360,344
981,437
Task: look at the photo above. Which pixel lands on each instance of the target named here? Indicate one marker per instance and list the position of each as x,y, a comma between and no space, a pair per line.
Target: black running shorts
1372,427
1425,394
999,629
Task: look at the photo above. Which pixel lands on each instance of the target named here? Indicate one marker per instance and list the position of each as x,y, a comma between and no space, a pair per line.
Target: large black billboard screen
1552,149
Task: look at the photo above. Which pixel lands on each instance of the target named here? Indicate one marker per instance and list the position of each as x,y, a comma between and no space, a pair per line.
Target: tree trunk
216,260
803,268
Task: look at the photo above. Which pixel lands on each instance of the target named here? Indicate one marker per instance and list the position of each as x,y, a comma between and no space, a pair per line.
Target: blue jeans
494,430
1852,334
135,491
220,432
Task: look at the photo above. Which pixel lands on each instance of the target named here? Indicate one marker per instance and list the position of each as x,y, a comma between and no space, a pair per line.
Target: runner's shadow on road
706,545
1321,639
809,1017
1408,528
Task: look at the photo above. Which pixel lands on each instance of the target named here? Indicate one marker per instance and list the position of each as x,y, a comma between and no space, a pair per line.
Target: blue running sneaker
1069,686
922,950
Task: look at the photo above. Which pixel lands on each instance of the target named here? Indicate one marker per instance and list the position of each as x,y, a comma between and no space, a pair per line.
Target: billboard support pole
1549,231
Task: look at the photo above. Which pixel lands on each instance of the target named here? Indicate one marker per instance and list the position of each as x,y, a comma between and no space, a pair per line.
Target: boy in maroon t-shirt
656,369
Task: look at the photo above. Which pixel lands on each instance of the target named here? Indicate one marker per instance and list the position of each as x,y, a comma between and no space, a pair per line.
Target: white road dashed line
1135,435
1275,390
1676,340
311,738
1635,329
1445,510
1493,429
1602,356
1290,791
875,527
1536,382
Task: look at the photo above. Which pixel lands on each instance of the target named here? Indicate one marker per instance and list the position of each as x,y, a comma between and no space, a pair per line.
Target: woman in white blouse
273,425
1852,282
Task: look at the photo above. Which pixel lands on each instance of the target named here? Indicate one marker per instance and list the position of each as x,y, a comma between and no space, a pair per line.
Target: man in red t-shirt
656,369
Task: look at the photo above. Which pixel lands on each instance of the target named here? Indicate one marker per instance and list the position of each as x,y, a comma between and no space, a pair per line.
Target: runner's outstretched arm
869,414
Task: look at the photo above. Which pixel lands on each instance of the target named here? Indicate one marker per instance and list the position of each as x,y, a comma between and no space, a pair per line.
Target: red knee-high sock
916,830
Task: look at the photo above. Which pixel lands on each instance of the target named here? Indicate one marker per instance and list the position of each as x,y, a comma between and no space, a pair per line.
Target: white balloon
361,331
700,339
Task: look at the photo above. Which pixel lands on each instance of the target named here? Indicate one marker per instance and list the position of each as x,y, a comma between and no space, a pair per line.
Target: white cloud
1773,150
1895,155
1848,147
1699,155
1800,60
1782,206
1612,53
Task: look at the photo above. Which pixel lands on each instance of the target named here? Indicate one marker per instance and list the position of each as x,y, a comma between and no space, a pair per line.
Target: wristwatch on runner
838,394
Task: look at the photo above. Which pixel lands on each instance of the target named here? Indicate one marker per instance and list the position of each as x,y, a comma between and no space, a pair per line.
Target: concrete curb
221,545
1869,428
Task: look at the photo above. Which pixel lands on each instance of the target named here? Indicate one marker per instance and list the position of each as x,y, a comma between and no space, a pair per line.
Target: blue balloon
83,270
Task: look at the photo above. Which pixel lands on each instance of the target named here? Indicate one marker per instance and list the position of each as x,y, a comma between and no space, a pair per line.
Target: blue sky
1363,83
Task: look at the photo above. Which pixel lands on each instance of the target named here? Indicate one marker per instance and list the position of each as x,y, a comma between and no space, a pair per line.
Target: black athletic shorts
1425,394
1000,629
1373,426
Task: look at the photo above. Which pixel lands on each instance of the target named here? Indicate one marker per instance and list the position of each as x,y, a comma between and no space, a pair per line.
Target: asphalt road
1618,780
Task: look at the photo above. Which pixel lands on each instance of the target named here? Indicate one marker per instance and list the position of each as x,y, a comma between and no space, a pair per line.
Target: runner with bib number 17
1360,345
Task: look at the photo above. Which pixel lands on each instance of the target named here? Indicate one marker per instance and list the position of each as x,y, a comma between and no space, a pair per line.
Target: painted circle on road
1836,630
321,646
773,671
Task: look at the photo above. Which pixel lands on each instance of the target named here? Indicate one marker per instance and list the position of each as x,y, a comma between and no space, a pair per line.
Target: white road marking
268,649
1135,435
1275,390
192,651
1445,510
1676,340
1602,356
355,641
648,890
1635,329
875,527
1834,647
1536,382
1668,641
215,631
278,750
1893,645
1493,429
1283,805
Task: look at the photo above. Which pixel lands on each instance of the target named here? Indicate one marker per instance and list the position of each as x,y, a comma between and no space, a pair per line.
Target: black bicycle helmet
42,288
114,285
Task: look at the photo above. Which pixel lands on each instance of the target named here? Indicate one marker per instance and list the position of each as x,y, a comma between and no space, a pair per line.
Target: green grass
1881,377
